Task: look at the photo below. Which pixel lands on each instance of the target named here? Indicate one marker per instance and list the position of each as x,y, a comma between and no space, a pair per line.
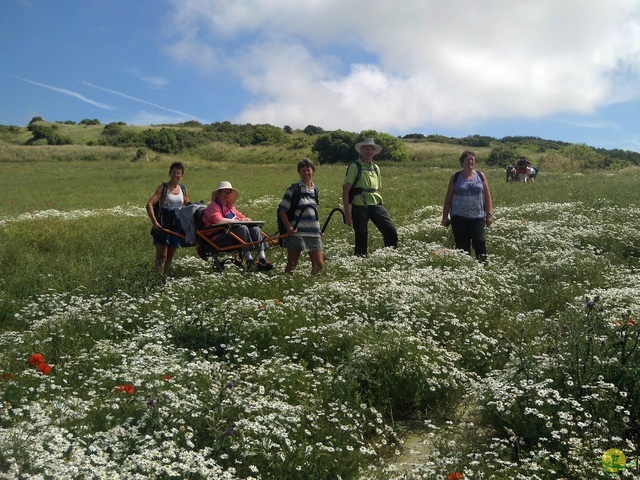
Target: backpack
157,207
357,190
296,194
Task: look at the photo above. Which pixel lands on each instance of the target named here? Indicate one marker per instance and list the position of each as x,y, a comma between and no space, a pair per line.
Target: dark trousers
380,217
468,232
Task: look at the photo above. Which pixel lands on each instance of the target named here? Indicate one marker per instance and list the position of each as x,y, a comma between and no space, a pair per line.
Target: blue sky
564,70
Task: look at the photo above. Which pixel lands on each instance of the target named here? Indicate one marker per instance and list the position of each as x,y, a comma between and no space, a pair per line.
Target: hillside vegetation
227,142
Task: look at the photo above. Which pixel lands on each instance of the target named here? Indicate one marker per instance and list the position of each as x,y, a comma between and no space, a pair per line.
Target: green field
527,367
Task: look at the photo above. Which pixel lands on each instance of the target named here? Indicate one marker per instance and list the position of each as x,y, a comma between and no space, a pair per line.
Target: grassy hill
231,143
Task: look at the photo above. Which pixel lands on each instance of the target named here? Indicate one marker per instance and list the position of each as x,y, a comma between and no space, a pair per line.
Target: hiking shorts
304,244
162,238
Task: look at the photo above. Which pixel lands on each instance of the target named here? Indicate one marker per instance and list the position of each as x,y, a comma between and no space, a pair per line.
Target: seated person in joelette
222,210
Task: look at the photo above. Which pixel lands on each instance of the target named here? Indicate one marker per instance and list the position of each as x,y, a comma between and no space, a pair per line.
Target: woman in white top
168,198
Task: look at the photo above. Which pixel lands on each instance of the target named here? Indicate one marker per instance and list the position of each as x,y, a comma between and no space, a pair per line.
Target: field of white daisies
527,367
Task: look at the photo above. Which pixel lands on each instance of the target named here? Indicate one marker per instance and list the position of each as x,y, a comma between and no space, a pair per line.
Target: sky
565,70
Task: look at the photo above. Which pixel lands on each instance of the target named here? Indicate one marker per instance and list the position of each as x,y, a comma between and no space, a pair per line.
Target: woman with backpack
468,207
162,209
300,204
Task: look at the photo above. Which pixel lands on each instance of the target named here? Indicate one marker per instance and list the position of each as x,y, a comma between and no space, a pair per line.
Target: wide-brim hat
225,186
369,141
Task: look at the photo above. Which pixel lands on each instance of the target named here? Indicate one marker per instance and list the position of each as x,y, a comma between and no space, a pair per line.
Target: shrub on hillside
163,140
583,156
114,134
95,121
619,158
313,130
245,135
502,155
9,129
338,147
476,141
46,132
393,148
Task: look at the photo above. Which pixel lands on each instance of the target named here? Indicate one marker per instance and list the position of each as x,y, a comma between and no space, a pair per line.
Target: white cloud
356,64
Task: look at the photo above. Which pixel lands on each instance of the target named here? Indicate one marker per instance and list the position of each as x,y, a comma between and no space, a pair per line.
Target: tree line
329,147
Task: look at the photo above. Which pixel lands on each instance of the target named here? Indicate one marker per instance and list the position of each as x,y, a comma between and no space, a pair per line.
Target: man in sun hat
222,210
361,188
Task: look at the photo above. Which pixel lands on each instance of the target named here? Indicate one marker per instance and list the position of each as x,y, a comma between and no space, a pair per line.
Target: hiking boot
159,268
264,265
168,269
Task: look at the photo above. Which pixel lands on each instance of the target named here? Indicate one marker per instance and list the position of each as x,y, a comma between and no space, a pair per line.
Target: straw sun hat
370,142
225,186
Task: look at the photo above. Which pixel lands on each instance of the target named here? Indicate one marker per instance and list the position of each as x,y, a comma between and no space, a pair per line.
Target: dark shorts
169,221
162,238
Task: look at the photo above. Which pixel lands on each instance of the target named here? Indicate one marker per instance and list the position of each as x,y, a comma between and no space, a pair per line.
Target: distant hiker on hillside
162,209
522,169
468,207
510,173
361,188
300,204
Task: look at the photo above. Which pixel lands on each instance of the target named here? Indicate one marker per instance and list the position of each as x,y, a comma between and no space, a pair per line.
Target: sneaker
264,265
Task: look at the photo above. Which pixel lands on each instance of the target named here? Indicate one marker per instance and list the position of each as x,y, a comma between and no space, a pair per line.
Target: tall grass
523,368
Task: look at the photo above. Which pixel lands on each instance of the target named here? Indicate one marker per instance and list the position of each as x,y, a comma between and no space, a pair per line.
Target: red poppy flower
36,358
44,368
455,476
6,377
128,388
630,322
167,378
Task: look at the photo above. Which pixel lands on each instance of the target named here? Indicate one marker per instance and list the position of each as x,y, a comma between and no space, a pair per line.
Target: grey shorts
304,244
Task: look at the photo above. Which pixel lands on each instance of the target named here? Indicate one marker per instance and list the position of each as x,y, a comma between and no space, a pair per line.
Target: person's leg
161,257
317,261
227,240
478,239
360,218
173,243
168,263
381,219
460,229
256,236
292,260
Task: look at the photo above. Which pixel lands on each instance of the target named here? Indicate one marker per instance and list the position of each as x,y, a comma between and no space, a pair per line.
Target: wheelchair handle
337,209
